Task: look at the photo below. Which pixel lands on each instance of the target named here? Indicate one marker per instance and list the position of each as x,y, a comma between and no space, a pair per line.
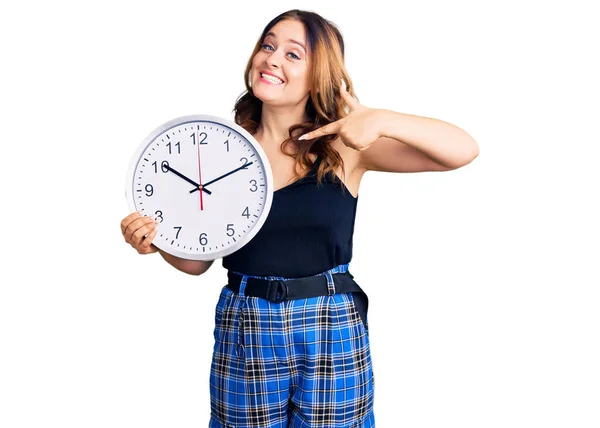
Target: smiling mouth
271,79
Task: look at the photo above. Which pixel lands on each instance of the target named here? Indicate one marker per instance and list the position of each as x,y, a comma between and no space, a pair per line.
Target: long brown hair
324,105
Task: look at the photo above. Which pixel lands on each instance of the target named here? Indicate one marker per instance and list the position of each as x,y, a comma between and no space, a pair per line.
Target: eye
266,46
295,56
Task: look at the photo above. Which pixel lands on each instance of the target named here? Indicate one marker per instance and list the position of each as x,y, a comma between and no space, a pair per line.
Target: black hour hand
189,180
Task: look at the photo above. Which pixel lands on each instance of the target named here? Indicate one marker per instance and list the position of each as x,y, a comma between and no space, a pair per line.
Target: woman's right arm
139,231
192,267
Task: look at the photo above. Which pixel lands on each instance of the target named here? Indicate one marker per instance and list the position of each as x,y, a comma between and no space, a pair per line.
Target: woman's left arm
408,143
395,142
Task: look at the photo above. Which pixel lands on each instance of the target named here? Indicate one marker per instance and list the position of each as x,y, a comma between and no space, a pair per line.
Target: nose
274,59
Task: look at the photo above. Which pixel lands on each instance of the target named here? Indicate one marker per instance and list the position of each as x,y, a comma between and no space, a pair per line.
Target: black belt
301,288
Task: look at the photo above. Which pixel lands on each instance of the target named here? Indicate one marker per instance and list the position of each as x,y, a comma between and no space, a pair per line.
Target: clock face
208,183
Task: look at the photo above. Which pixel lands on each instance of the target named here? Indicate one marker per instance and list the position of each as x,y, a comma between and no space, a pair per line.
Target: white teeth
271,79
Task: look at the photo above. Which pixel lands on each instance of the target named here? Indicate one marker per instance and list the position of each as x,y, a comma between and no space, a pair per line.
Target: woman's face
280,69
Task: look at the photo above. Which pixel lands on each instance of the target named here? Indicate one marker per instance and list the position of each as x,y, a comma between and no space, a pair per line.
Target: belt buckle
277,291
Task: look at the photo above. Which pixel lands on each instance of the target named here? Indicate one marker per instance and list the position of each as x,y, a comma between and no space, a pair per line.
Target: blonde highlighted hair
324,105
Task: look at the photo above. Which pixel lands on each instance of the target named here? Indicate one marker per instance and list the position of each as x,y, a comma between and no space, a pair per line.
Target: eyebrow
290,40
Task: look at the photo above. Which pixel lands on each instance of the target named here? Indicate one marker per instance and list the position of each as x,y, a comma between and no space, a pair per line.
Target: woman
291,338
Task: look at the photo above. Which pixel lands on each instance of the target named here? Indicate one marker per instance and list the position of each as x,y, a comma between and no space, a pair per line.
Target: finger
137,228
330,128
349,99
127,221
134,220
147,241
140,234
134,225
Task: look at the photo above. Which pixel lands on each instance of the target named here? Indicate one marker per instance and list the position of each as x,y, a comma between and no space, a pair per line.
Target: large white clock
208,183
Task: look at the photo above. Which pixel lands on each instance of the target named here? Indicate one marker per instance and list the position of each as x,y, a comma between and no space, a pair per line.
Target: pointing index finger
330,128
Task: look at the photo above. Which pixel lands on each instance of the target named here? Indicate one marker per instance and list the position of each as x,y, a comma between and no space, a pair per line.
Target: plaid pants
302,363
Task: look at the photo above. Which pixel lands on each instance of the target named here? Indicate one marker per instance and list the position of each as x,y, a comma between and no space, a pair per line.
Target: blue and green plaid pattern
302,363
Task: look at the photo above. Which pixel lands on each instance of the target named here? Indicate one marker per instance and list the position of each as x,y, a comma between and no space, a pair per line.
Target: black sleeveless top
308,230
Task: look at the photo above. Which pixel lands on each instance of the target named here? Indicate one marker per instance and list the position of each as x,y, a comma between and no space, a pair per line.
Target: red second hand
200,174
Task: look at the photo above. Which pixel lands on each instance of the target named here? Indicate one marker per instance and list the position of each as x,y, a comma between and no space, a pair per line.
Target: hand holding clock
139,231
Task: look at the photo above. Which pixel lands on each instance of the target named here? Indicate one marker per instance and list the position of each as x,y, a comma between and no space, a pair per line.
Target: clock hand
200,174
177,173
223,176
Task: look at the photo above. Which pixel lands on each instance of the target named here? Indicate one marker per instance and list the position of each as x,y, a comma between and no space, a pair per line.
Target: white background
483,281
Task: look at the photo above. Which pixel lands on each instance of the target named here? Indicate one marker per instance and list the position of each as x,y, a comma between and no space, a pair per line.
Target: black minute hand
177,173
223,176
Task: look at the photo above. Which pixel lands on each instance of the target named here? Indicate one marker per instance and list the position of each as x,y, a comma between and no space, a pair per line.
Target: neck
276,121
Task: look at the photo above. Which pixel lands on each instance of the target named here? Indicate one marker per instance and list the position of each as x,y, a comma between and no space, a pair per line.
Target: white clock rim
220,121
